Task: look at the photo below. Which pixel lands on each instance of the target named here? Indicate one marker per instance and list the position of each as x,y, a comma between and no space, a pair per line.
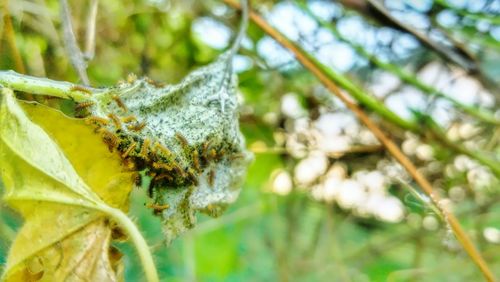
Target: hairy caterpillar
120,103
157,165
80,88
211,177
84,105
163,149
164,176
137,126
115,120
196,161
145,149
157,208
96,120
136,179
110,139
129,149
182,139
128,119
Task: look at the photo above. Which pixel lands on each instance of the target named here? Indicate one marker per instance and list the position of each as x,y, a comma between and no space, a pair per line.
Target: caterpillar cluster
166,169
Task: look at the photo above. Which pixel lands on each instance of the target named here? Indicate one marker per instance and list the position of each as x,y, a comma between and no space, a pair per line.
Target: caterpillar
136,179
178,170
145,148
182,139
192,176
115,120
163,176
157,208
212,154
157,165
129,149
96,120
110,139
204,151
120,103
211,177
221,153
163,149
236,156
137,126
128,119
80,89
196,161
84,105
129,164
154,83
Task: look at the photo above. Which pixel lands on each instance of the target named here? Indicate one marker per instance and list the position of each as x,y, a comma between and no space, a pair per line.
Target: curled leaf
186,137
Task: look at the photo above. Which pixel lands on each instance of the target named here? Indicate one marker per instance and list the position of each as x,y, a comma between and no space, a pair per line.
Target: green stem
359,95
472,15
405,76
479,156
44,86
378,107
140,244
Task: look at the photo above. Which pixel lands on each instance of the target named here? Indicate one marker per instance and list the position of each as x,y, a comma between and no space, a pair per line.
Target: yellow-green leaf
60,177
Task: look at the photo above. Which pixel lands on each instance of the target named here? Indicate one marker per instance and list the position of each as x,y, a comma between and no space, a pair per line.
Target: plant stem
305,60
478,16
140,244
372,103
44,86
405,76
10,37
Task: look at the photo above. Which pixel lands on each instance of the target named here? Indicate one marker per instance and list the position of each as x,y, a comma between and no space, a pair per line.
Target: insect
212,154
236,156
110,139
137,126
157,165
220,154
211,177
128,164
182,139
196,161
164,176
128,119
154,83
157,208
204,151
178,170
84,105
136,178
120,103
192,176
97,120
145,148
163,149
129,149
115,120
81,89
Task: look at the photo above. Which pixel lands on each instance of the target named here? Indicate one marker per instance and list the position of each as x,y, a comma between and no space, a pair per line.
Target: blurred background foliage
323,200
